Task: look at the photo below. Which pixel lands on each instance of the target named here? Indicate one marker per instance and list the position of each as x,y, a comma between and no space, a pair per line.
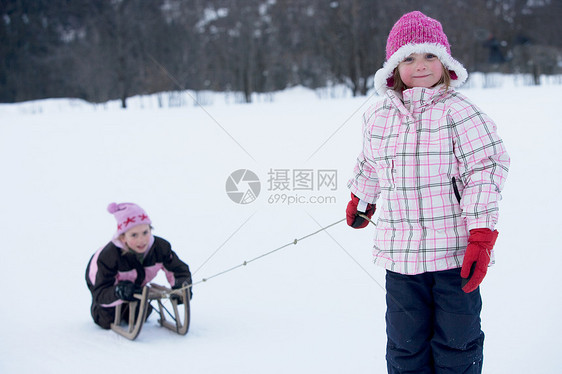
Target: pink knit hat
417,33
128,215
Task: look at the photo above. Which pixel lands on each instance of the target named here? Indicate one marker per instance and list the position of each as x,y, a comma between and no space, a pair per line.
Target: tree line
114,49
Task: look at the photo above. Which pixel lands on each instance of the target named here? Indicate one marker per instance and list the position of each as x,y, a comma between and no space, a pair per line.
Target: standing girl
128,262
435,165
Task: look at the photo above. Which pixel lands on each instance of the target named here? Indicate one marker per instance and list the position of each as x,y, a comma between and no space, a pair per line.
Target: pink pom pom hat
417,33
127,215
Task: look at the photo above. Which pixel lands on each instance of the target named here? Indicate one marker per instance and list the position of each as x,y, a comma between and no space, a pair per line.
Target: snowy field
317,307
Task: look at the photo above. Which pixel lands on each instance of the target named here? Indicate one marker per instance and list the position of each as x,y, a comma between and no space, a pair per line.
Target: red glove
353,219
477,257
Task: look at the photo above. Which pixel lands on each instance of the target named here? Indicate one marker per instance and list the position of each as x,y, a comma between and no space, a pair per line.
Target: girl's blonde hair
400,86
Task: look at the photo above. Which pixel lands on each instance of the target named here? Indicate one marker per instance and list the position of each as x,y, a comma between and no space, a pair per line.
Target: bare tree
103,50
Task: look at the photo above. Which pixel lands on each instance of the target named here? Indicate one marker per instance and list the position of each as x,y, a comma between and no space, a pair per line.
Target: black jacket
112,264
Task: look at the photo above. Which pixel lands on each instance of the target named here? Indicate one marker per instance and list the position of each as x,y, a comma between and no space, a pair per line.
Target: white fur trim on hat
438,50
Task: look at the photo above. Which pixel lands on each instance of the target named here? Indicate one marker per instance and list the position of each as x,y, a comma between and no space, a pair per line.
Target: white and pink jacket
435,166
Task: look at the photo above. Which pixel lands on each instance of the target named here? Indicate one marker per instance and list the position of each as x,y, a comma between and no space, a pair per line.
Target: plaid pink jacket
438,165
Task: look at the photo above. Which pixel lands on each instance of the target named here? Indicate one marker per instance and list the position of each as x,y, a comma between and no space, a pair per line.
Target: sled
137,319
181,325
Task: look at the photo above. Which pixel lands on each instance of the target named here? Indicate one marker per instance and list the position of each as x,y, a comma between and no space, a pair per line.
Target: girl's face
137,238
420,70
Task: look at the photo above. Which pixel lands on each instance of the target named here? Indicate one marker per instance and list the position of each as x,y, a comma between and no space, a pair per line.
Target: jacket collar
413,99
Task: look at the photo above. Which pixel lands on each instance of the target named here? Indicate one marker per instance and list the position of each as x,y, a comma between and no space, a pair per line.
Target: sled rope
366,218
294,242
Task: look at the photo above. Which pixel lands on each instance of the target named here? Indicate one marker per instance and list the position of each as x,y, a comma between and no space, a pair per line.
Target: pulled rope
367,218
294,242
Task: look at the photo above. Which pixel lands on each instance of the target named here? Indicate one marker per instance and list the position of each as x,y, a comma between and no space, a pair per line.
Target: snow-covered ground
316,307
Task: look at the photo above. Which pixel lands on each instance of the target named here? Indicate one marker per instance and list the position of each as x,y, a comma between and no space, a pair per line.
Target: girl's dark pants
104,317
432,326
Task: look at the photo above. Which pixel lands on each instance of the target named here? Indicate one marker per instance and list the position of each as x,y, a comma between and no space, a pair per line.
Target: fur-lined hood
384,76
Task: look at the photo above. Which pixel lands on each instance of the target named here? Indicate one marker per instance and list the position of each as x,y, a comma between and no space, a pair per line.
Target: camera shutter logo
243,186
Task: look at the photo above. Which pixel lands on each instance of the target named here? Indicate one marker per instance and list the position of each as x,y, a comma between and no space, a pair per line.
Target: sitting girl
128,262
